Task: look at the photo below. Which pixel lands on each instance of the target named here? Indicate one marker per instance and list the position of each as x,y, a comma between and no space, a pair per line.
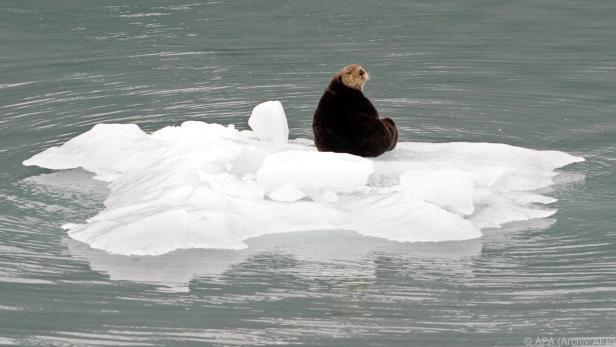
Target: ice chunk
398,216
309,169
269,122
324,196
107,150
287,192
203,185
497,209
232,185
449,189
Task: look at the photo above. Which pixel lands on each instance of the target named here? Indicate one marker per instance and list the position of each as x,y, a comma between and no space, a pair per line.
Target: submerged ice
202,185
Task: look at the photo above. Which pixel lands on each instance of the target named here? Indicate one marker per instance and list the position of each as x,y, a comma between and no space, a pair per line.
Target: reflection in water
173,269
315,254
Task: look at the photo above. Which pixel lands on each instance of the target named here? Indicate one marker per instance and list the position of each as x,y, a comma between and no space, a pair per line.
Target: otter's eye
361,72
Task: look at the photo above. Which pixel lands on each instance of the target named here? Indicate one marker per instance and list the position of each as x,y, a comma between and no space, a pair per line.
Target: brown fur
346,121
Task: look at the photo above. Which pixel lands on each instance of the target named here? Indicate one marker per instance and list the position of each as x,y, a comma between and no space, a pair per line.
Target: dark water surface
538,74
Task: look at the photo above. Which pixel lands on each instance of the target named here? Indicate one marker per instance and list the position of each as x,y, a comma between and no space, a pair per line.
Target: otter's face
354,76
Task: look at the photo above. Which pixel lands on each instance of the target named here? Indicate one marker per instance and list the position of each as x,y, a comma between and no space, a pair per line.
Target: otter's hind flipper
392,131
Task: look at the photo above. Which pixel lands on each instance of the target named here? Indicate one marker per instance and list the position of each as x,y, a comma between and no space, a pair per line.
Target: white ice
203,185
269,122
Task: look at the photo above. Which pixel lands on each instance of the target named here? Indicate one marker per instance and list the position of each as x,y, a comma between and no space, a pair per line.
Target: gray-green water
539,74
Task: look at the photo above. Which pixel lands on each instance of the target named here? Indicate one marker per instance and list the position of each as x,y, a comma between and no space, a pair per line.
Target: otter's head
354,76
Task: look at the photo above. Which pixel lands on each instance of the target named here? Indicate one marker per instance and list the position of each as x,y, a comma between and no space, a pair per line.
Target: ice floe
203,185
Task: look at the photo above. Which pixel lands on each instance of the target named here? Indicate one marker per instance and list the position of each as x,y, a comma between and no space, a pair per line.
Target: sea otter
346,121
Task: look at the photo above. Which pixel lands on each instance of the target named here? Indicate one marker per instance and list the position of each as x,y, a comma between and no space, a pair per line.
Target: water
533,74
